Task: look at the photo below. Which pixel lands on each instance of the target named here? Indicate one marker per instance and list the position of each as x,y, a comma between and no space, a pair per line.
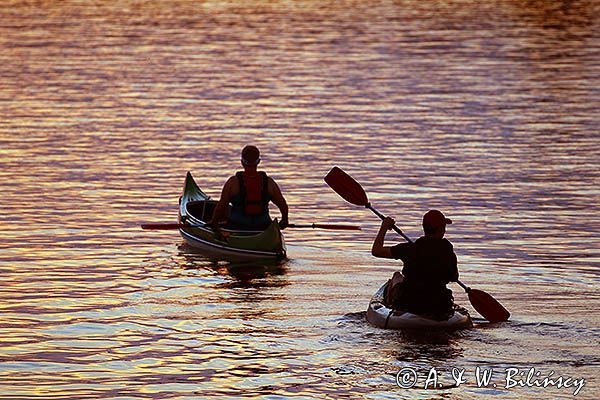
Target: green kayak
196,208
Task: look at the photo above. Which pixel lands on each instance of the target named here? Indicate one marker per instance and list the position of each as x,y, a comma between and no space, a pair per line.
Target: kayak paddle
351,191
167,226
326,226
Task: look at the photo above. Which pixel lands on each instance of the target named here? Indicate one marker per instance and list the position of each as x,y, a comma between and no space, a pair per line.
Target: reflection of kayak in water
381,316
245,273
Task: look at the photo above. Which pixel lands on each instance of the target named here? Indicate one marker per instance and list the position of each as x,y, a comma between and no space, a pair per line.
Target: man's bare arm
279,201
378,249
220,213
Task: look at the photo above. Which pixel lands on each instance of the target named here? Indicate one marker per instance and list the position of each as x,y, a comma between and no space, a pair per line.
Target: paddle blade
487,306
344,185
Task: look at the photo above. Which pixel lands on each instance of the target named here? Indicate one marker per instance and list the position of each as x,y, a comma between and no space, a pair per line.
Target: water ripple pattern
488,111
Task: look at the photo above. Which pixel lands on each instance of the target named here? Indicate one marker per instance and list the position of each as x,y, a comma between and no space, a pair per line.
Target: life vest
254,192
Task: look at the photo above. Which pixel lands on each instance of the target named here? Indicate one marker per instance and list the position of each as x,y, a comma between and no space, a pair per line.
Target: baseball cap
435,219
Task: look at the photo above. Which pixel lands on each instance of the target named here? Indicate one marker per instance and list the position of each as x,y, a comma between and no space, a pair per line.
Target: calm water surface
489,112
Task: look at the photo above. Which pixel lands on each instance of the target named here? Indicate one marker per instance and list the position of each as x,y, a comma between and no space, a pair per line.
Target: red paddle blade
487,306
344,185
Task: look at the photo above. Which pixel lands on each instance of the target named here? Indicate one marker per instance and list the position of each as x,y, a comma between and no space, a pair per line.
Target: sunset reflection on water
486,111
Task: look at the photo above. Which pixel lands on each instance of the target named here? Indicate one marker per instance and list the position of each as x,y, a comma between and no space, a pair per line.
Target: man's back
249,197
429,264
234,192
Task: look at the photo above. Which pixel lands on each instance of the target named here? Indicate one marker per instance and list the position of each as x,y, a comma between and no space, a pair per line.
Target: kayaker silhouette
429,265
249,192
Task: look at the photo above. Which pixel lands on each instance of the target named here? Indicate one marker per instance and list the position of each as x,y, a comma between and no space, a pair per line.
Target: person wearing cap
249,193
429,265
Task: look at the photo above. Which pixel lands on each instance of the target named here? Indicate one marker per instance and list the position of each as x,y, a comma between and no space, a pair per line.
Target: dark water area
487,111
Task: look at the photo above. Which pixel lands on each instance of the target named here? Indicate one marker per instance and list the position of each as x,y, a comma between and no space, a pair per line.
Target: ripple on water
485,110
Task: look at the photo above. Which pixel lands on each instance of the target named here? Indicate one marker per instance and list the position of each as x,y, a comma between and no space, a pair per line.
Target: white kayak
381,316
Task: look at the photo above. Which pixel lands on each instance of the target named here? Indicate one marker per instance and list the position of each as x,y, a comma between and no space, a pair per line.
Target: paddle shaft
467,289
326,226
168,226
395,228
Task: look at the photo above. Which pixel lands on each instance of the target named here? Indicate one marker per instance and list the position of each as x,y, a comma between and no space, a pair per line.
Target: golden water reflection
487,111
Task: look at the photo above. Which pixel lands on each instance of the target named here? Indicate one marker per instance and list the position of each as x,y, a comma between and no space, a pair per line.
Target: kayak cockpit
202,210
